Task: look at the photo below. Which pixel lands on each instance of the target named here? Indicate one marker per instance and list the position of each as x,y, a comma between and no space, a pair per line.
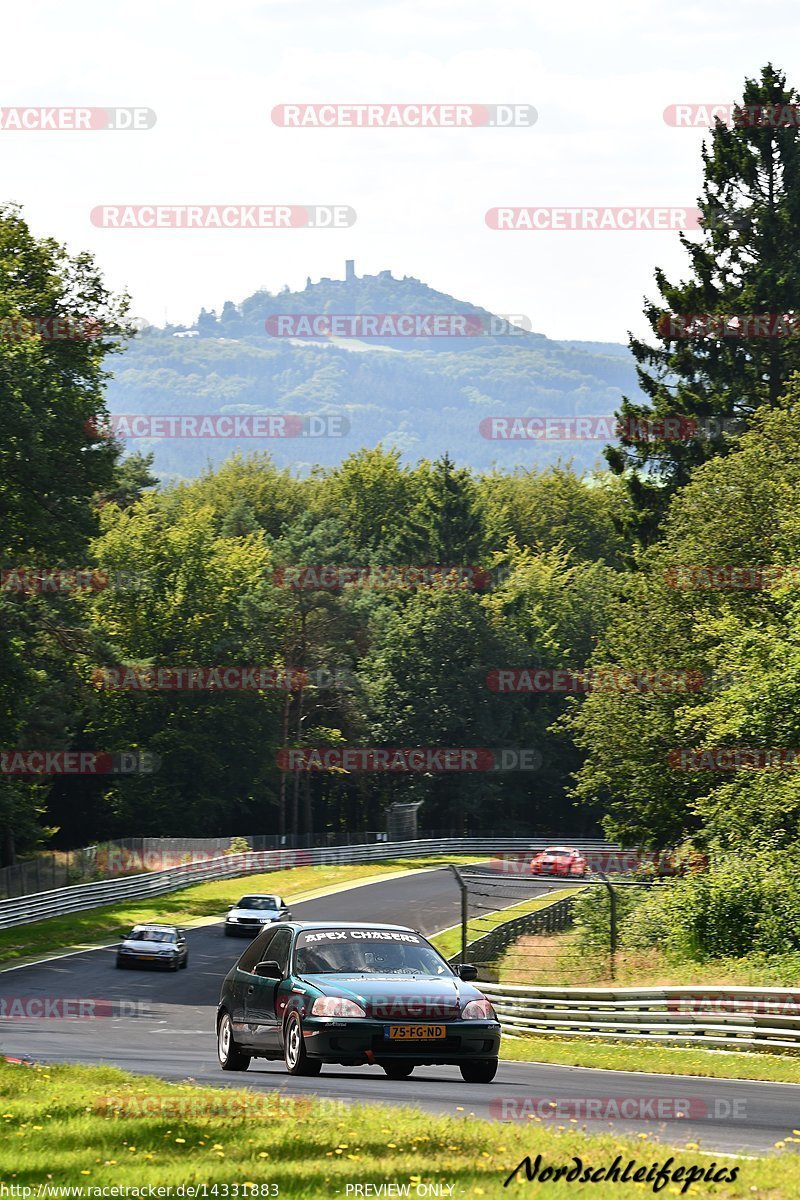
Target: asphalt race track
162,1023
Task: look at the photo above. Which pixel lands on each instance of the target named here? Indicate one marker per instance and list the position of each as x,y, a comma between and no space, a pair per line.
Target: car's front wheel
481,1071
294,1052
231,1058
398,1070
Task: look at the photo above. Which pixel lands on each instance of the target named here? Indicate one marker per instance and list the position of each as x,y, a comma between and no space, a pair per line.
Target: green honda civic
355,995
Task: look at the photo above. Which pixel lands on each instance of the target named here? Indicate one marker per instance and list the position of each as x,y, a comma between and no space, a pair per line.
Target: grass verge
563,960
98,1126
96,925
658,1060
448,943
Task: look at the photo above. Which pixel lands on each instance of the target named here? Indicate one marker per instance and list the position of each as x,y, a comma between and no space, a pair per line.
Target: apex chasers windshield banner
357,935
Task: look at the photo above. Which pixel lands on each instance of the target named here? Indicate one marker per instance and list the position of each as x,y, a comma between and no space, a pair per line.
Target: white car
252,913
158,945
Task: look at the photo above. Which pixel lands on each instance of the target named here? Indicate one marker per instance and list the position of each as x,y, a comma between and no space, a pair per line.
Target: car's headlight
336,1006
478,1010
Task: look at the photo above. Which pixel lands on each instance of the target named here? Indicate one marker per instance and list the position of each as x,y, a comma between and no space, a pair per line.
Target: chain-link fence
518,927
48,871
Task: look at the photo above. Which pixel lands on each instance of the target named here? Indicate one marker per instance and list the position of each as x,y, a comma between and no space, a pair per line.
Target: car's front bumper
563,872
364,1040
149,960
246,928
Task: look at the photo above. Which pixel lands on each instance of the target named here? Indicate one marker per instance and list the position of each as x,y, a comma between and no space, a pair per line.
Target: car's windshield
558,853
151,935
366,952
258,902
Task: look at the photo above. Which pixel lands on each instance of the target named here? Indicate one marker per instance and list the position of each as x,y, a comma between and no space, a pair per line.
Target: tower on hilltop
350,270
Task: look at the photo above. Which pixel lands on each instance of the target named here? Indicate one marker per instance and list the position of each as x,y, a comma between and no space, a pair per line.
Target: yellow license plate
414,1033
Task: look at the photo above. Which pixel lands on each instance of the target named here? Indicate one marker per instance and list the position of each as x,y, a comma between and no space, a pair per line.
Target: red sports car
558,860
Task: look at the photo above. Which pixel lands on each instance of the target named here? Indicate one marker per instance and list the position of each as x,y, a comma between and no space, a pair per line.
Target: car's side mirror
231,906
268,969
467,971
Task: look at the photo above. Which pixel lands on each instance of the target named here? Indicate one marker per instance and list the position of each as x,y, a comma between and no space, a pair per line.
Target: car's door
261,1015
241,980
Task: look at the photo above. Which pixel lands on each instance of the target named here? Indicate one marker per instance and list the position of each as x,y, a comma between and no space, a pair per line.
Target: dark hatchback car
350,994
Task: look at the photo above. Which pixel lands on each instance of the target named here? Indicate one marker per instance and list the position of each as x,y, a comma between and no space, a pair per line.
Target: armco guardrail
36,907
750,1018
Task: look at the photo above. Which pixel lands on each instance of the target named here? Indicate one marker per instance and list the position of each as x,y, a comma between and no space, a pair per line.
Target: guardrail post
612,925
464,910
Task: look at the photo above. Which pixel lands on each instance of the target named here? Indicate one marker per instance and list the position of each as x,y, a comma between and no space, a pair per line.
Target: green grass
59,1128
448,943
563,960
658,1060
96,925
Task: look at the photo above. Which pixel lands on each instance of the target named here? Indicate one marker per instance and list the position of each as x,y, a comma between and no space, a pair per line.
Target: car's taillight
478,1010
336,1006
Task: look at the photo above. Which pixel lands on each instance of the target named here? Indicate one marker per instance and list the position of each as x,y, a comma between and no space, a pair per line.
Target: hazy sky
599,74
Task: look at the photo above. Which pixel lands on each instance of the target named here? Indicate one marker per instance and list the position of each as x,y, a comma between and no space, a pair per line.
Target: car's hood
144,945
259,914
420,997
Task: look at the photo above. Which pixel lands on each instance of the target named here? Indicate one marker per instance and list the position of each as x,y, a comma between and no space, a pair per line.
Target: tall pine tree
746,263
